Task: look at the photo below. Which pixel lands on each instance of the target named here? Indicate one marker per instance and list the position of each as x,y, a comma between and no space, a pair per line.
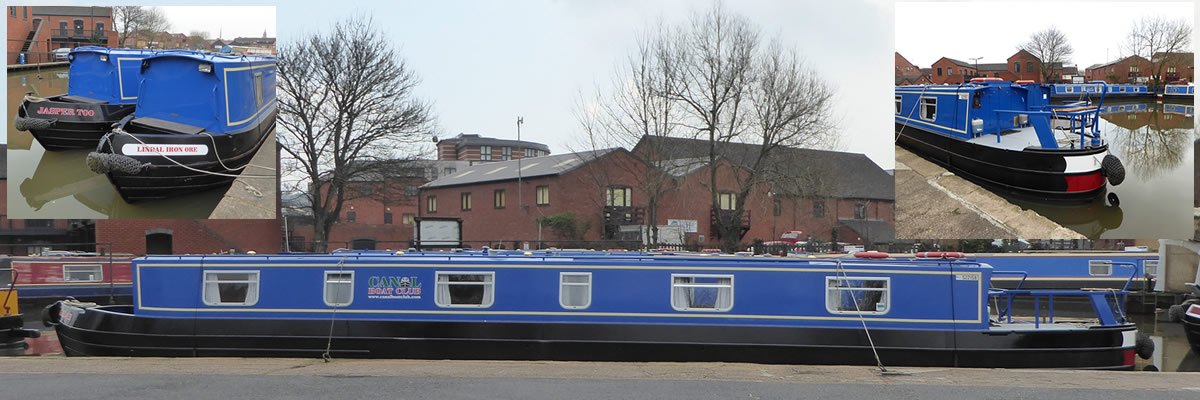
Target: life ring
871,254
986,79
1023,81
940,254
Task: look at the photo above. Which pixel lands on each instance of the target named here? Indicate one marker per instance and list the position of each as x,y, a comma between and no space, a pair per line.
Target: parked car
61,54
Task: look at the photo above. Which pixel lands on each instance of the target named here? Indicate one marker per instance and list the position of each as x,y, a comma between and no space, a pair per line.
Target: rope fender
28,124
103,163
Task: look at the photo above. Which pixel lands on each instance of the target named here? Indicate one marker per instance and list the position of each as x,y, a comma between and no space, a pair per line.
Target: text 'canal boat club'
102,88
1008,135
199,121
593,306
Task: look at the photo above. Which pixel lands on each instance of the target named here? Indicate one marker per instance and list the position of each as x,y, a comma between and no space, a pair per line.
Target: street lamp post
976,60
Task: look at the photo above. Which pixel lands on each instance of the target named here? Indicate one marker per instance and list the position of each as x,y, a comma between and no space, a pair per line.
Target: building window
407,219
778,207
1133,69
854,295
339,288
897,105
818,208
431,204
529,153
950,71
62,28
860,211
995,74
78,25
701,292
25,14
1100,267
350,215
619,196
230,288
387,218
1017,66
543,195
411,190
506,153
448,171
1029,66
1171,69
498,198
466,201
82,273
575,290
727,201
929,108
12,12
485,153
465,289
939,70
99,28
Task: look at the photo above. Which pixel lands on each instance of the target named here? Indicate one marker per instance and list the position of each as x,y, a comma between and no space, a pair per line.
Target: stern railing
1108,304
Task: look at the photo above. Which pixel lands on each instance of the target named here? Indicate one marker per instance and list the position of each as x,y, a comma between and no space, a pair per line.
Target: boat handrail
1024,275
1108,313
1131,276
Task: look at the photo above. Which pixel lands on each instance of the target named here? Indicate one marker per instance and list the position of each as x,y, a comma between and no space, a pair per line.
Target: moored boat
1009,136
1191,326
12,324
88,276
1181,91
102,88
199,121
561,305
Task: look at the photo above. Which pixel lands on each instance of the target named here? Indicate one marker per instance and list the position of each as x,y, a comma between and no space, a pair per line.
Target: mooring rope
906,118
878,362
329,342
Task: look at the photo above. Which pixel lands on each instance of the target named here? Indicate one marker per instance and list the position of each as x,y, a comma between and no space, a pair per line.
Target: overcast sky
227,21
926,32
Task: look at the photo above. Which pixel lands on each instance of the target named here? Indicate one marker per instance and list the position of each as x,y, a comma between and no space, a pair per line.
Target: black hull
112,331
163,178
72,132
1191,327
1028,173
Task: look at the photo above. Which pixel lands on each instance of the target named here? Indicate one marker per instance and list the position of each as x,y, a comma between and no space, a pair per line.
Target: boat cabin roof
215,58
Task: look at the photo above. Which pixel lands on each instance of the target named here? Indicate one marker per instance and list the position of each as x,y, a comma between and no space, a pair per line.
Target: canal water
1155,143
58,184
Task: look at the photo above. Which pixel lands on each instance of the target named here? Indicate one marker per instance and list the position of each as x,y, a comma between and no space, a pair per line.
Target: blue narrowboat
592,306
200,119
1182,91
102,88
1095,89
1009,136
1073,270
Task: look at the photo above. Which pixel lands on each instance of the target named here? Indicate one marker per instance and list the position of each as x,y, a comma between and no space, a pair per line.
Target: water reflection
1171,349
1151,139
58,184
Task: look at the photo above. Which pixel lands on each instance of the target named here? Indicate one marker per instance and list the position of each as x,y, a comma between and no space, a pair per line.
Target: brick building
475,148
909,74
948,71
1178,66
35,31
853,201
1132,69
1025,66
20,31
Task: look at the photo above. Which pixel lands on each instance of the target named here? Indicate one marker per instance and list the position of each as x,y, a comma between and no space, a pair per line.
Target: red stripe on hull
1084,183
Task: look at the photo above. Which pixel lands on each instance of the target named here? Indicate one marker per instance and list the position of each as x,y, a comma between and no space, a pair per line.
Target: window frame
1146,265
626,193
351,216
1108,264
542,192
898,104
325,288
863,208
387,218
98,268
727,201
431,204
485,155
562,284
489,297
464,200
505,153
499,199
693,284
886,289
924,104
252,287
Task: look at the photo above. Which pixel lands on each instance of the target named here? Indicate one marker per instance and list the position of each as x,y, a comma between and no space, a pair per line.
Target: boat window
1100,267
230,288
1150,267
339,288
258,100
465,289
575,290
897,104
82,273
702,292
854,295
929,108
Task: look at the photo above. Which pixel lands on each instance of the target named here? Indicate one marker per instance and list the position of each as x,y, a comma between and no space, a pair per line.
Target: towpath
132,378
932,203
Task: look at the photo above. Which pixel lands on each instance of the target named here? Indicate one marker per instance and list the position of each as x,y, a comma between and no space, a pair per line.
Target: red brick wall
19,26
903,67
193,236
958,75
1026,73
1121,70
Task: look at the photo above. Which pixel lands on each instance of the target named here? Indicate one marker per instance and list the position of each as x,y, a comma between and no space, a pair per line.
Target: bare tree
1051,48
1161,41
637,109
348,112
138,20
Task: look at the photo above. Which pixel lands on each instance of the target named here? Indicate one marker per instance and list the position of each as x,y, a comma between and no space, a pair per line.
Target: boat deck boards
1017,139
